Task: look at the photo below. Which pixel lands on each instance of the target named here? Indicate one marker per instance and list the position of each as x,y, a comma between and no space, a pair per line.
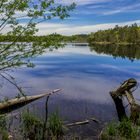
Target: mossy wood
126,90
15,103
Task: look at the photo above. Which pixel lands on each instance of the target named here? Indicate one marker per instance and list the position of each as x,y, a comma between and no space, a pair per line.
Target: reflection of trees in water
14,54
124,51
20,54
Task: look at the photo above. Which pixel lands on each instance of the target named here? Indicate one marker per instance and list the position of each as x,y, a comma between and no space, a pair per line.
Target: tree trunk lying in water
16,103
126,90
87,121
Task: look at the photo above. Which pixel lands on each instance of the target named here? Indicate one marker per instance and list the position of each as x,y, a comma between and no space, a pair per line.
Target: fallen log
16,103
79,123
87,121
94,120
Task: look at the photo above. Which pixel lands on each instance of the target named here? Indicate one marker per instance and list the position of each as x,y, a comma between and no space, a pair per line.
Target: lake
86,75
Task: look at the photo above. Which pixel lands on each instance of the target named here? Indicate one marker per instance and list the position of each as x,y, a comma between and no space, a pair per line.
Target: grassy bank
32,127
124,130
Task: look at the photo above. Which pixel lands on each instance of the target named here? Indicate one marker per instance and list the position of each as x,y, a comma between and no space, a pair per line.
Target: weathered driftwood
15,103
119,106
94,120
83,122
127,85
79,123
126,90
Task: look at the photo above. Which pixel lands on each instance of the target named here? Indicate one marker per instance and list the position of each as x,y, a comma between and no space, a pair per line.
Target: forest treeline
125,34
9,38
82,38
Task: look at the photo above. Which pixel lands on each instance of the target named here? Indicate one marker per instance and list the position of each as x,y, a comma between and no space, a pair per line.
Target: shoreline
110,43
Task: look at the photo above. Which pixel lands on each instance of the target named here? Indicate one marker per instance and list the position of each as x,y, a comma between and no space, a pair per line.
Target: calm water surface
85,77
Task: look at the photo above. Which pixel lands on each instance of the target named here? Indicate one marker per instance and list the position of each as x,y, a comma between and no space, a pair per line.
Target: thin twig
46,119
13,83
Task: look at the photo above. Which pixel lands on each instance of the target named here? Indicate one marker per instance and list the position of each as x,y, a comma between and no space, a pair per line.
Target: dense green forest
74,38
8,38
126,34
81,38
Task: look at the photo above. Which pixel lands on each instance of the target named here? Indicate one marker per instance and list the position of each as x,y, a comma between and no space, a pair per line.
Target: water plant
31,126
127,129
122,130
3,128
55,125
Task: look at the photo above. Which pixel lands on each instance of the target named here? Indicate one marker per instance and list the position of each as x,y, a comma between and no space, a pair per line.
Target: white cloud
82,2
96,6
120,10
65,29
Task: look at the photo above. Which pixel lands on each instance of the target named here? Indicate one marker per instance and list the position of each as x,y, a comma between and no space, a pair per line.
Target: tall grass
123,131
55,125
3,128
31,126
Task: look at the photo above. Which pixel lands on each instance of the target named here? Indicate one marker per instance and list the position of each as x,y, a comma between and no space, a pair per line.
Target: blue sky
105,11
93,15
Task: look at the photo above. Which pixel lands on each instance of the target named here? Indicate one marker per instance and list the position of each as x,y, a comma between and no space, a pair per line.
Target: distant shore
117,43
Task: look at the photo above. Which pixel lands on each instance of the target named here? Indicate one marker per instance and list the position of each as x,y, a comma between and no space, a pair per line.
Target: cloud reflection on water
86,78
